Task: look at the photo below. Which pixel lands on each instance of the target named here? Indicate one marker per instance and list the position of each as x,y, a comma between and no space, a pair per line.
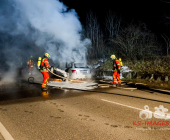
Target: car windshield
80,65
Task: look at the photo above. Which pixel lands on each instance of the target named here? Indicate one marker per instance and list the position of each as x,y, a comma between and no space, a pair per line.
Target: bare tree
112,24
167,40
93,32
166,1
135,42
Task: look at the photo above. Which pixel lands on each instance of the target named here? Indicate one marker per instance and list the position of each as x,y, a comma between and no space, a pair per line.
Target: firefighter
30,64
44,71
116,70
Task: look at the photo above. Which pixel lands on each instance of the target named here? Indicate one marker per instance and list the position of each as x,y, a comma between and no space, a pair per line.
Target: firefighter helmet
47,55
113,56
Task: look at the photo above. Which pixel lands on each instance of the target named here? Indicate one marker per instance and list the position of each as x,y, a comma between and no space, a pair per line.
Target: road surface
99,114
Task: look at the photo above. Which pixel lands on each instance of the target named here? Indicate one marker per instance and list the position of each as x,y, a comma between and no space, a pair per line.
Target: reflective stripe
44,70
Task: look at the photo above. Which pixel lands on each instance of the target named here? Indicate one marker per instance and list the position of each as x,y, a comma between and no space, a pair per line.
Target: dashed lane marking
5,133
132,107
121,104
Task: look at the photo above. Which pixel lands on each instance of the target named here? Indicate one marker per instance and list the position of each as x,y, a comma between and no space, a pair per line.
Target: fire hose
57,75
31,79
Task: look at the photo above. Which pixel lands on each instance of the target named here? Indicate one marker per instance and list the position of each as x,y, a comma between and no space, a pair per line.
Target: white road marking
121,104
168,117
5,133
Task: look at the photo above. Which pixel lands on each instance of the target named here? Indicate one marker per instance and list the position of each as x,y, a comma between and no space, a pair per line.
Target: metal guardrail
132,74
110,73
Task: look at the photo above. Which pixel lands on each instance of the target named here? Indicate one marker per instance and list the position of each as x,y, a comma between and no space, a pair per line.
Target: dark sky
151,12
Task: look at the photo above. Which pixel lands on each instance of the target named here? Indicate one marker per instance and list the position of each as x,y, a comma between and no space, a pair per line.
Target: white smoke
48,26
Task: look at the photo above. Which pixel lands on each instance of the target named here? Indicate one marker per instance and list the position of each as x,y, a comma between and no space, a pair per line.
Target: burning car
78,71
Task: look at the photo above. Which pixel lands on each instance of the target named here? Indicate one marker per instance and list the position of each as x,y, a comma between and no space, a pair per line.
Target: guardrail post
152,76
159,78
129,75
166,79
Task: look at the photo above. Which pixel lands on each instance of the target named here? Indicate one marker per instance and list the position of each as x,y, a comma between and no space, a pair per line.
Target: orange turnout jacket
116,65
45,65
116,68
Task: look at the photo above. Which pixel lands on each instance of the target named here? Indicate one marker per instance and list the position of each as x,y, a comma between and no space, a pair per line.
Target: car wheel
31,79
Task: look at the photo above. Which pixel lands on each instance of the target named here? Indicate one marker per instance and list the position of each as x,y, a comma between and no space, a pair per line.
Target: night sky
151,12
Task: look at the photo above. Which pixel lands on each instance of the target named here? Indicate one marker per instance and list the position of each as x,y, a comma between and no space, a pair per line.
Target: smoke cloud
33,27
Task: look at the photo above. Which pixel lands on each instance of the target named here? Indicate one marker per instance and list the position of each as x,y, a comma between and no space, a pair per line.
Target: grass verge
151,84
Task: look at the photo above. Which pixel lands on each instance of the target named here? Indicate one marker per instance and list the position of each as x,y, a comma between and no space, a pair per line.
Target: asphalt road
99,114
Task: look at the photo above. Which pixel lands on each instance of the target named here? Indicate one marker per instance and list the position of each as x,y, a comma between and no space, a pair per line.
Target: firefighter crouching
44,71
30,64
116,71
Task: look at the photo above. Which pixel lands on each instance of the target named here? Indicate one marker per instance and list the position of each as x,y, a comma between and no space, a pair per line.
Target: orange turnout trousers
116,76
45,80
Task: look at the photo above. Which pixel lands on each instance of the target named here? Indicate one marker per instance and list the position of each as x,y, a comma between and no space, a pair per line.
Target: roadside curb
161,90
137,86
106,84
142,85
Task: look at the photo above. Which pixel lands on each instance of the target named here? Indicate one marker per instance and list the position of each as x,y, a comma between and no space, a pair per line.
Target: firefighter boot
46,88
119,85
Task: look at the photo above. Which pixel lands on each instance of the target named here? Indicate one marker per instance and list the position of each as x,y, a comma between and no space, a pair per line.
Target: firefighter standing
44,71
30,64
116,70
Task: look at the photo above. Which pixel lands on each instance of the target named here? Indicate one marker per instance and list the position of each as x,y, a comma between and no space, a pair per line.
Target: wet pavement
22,89
63,113
19,90
27,92
24,86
